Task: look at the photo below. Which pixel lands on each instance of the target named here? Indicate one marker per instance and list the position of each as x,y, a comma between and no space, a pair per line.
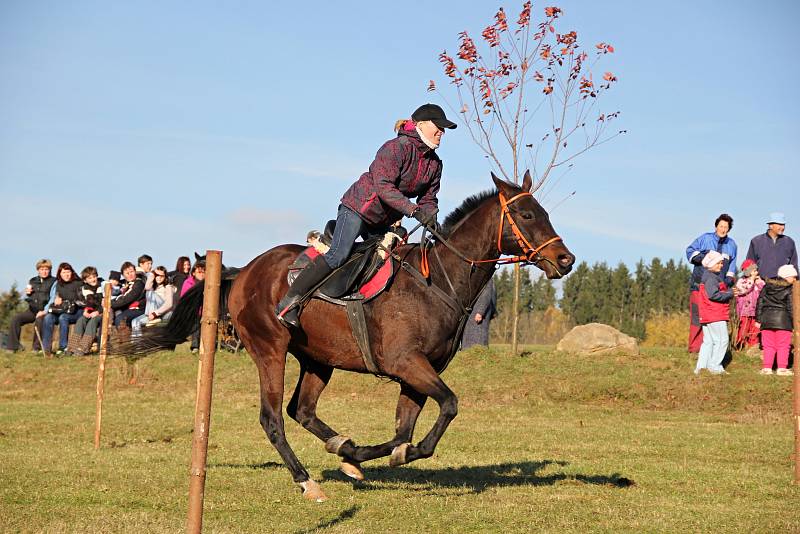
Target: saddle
363,276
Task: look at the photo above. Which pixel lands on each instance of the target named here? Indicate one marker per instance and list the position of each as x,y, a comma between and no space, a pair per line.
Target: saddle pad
373,287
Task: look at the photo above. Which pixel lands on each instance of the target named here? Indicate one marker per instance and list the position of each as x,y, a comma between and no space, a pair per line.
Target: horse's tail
184,322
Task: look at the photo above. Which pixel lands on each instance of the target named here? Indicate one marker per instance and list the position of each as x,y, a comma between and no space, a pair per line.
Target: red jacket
404,168
715,299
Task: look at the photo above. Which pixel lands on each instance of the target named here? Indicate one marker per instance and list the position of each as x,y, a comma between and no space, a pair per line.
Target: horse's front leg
416,371
409,406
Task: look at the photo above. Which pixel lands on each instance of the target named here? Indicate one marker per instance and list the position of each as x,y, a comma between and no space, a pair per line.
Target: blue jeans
64,320
126,316
714,347
348,227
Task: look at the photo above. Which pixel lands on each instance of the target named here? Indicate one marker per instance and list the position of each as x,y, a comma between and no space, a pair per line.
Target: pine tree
10,304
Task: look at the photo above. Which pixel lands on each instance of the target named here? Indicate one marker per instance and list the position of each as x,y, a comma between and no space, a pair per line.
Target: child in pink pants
774,312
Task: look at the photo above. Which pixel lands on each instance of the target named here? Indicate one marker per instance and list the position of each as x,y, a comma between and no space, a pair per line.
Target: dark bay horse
413,327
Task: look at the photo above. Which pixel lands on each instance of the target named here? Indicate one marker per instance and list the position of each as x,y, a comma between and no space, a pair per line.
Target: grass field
544,442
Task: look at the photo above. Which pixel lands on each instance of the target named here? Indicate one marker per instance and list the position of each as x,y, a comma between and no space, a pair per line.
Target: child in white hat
774,312
715,298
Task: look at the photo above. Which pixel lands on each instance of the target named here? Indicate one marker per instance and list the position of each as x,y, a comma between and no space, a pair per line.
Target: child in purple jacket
749,286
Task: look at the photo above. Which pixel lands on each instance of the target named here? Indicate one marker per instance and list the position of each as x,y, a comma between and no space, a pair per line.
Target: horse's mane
468,206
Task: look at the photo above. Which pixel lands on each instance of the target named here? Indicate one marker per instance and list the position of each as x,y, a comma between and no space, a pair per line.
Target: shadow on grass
344,515
476,479
264,465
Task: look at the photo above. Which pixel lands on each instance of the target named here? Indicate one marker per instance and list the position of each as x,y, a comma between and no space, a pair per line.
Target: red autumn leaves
493,79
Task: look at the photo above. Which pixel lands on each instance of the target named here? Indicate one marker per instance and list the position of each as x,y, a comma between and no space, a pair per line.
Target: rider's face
431,131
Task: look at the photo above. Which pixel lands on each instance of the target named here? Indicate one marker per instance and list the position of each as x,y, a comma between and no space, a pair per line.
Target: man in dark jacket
772,249
38,293
476,331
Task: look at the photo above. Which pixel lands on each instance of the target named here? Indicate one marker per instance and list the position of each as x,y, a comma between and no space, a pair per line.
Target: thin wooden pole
202,418
796,321
101,368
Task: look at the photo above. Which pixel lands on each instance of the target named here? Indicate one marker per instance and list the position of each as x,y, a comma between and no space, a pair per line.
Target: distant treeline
597,293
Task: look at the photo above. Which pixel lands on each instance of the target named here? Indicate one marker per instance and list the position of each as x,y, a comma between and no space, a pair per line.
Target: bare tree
528,97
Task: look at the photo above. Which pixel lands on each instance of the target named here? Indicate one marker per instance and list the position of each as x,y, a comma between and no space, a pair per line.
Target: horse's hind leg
271,366
409,406
303,409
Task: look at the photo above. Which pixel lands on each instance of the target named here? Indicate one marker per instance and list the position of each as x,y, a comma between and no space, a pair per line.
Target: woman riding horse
404,167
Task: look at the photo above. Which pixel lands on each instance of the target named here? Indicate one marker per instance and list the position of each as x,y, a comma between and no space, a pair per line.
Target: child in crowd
80,343
774,312
749,286
145,265
177,277
130,302
198,275
714,307
160,295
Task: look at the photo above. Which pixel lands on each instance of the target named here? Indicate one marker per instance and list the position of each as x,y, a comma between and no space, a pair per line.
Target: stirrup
289,316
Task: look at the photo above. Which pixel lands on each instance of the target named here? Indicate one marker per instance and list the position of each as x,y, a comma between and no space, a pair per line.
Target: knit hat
712,258
748,267
785,271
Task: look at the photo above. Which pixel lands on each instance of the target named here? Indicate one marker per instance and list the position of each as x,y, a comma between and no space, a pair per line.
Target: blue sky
172,127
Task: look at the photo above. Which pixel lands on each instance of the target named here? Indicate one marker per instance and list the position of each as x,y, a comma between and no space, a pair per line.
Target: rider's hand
423,216
427,218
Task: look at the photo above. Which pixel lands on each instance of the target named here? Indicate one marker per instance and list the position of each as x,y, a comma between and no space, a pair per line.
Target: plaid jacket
404,168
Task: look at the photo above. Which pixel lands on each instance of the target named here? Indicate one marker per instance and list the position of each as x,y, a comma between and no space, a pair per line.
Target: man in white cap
773,249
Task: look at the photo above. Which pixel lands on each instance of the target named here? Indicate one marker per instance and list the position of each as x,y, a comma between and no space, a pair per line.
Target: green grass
544,442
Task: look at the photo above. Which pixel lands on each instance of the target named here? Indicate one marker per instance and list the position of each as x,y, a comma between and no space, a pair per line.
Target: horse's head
525,229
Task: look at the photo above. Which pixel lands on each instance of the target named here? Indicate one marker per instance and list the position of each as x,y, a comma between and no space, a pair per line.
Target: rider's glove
427,218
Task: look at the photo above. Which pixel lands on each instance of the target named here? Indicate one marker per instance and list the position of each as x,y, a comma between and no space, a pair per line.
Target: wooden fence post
202,418
101,369
796,337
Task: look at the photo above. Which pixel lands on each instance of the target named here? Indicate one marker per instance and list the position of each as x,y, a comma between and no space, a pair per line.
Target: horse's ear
197,256
527,181
501,184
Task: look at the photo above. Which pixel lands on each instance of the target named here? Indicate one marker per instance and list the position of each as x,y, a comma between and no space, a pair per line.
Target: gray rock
596,338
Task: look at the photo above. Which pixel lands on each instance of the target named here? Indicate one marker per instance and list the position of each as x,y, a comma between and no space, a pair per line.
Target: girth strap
355,313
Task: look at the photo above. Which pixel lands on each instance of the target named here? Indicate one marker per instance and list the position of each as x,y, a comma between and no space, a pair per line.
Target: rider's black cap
433,113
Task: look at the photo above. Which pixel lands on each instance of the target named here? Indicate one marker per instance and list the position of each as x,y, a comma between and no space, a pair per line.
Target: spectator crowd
762,294
141,296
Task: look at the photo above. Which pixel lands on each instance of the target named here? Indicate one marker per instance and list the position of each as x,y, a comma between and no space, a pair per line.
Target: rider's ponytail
401,123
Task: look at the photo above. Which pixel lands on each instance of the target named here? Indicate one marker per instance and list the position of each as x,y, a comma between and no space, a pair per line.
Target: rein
530,254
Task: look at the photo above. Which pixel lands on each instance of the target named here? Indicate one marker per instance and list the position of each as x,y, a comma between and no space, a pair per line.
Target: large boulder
596,338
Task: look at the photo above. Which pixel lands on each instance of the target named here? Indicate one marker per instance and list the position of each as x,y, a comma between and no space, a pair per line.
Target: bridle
530,254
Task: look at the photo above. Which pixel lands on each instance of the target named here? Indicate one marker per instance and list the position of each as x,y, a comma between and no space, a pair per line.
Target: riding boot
288,309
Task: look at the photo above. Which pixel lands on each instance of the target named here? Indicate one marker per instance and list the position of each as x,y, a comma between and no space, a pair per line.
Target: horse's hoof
352,469
399,455
335,443
312,491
